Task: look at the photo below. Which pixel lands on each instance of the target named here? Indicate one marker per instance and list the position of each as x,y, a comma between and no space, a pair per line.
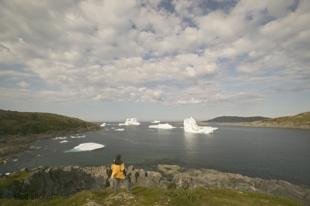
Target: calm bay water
270,153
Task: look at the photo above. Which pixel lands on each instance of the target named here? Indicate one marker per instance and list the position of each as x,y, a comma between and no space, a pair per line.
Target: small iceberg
63,141
59,138
86,147
120,129
191,126
162,126
103,124
77,136
130,121
155,122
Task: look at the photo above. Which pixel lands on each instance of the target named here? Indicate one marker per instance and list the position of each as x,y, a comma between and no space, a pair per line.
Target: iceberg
63,141
59,138
155,122
86,147
191,126
119,129
103,124
130,121
78,136
162,126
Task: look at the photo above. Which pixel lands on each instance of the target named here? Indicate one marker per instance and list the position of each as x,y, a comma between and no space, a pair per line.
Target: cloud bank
175,52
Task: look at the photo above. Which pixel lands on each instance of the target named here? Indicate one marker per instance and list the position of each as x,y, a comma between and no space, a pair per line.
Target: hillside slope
301,120
225,119
18,129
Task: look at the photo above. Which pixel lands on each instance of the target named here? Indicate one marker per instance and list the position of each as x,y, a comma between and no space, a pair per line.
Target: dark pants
117,184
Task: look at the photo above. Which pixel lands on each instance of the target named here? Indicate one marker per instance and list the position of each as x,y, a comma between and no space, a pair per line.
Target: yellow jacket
118,171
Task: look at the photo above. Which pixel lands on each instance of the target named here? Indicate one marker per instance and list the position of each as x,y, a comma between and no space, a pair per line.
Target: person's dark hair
118,159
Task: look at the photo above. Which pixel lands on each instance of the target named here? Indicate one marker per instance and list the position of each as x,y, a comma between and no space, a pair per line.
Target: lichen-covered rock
168,170
46,182
193,178
140,177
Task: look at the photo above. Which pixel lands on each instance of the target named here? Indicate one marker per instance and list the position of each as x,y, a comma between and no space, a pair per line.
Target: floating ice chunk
59,138
63,141
103,124
119,129
191,126
162,126
34,147
77,136
155,122
86,147
130,121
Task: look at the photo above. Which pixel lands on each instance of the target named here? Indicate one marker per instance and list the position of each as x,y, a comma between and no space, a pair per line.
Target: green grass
156,196
7,181
26,123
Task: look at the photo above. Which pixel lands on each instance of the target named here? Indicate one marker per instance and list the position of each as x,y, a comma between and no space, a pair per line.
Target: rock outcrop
46,182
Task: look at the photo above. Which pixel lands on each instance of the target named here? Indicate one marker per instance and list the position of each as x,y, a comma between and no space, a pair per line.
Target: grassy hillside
301,120
25,123
155,196
18,129
225,119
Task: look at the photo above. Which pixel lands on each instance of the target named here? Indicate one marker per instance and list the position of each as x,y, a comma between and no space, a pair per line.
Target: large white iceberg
130,121
103,124
162,126
86,147
155,122
191,126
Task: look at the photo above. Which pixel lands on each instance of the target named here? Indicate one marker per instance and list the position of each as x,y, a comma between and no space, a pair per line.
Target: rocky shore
44,182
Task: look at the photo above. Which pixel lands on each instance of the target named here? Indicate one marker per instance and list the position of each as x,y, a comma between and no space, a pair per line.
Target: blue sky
159,59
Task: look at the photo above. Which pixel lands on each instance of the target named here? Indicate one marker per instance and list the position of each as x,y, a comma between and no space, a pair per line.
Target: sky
103,60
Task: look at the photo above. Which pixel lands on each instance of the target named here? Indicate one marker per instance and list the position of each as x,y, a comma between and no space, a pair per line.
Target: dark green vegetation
18,129
26,123
237,119
13,179
156,196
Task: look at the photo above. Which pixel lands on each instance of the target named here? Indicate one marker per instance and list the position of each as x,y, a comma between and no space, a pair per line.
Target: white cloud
136,51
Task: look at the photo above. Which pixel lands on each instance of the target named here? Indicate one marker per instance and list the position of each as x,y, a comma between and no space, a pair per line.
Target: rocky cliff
47,182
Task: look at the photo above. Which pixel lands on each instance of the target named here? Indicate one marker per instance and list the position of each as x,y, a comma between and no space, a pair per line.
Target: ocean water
271,153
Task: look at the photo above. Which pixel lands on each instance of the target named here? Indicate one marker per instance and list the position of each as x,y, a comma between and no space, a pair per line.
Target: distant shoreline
254,124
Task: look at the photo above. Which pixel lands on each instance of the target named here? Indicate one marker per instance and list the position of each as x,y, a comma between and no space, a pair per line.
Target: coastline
164,177
256,125
20,143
